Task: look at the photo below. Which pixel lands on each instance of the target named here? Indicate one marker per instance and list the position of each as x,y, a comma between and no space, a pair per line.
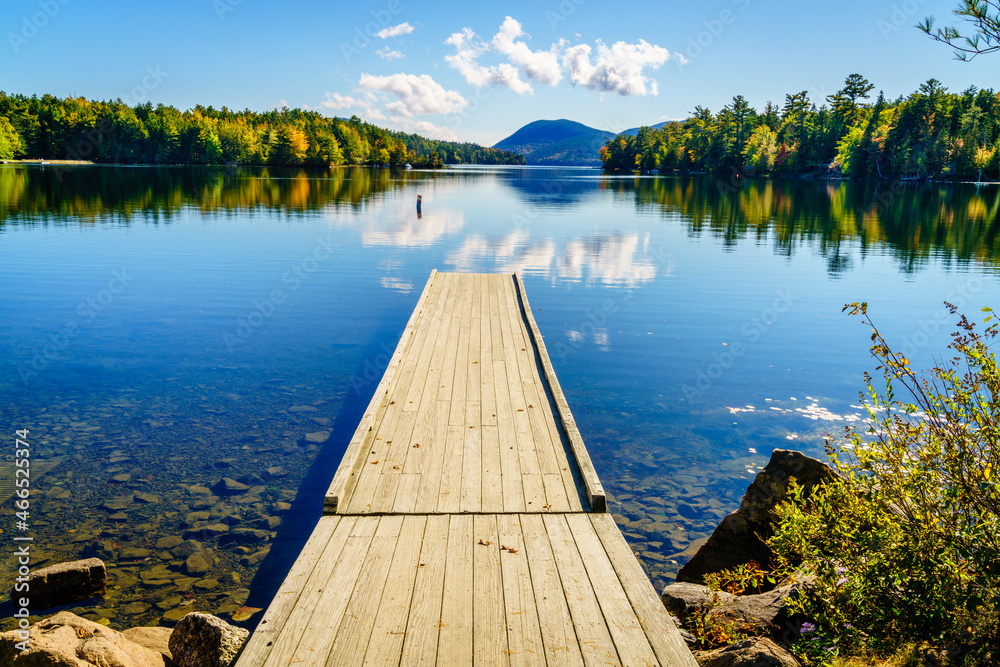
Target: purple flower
807,628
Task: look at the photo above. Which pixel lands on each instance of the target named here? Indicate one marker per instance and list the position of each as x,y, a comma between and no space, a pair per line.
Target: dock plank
455,644
424,624
489,633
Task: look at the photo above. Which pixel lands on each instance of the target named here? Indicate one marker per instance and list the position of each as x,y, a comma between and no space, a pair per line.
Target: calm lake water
164,328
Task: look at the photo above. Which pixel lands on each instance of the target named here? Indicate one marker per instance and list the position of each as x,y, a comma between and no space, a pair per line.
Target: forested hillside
75,128
930,133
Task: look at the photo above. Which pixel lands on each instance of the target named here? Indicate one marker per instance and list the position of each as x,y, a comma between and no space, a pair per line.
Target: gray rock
63,583
122,478
98,549
202,640
133,608
739,539
194,517
229,486
203,502
134,553
169,542
247,535
169,603
116,504
206,584
683,598
66,640
765,611
254,558
318,436
199,562
187,548
753,652
207,532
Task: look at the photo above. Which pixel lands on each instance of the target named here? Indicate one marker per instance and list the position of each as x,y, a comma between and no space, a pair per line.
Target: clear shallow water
161,329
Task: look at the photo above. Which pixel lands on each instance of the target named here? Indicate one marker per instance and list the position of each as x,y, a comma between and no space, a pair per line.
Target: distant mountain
632,131
557,142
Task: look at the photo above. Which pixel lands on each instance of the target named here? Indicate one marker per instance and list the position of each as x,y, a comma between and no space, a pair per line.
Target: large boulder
740,538
203,640
753,652
154,638
683,599
763,613
62,583
66,640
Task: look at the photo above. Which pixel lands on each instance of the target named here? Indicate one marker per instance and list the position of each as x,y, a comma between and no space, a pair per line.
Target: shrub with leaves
906,545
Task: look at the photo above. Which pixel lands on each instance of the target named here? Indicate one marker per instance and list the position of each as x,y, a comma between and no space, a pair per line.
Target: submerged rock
229,486
203,640
63,583
739,539
199,562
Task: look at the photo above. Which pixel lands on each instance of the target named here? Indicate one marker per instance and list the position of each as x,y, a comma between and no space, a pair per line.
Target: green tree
11,145
761,150
845,102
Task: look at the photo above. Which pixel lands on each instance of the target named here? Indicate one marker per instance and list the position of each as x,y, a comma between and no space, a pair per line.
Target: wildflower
807,628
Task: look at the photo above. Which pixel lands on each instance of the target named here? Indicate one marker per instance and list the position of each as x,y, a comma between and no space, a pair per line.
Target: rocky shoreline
740,540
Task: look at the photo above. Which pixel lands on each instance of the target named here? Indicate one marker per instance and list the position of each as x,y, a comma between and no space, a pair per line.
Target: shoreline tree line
75,128
930,133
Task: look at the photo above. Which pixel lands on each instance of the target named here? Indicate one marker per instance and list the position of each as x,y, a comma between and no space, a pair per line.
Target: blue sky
474,71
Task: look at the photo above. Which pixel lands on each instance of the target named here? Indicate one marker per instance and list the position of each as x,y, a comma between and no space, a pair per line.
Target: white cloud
541,66
618,69
395,31
425,129
365,105
468,49
388,54
416,95
336,102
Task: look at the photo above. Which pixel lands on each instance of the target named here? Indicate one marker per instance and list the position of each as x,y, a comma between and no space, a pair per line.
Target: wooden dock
466,524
